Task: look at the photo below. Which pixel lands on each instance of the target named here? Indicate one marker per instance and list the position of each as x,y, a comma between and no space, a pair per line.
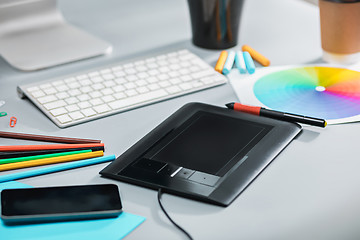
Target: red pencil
15,148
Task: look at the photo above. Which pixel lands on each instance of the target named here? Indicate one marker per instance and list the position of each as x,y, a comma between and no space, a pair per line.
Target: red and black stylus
289,117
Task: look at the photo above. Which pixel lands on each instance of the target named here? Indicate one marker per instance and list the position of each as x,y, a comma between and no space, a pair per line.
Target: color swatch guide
331,93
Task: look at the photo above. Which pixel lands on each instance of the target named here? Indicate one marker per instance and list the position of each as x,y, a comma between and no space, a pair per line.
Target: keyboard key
74,92
85,82
83,97
74,85
108,98
95,94
119,88
119,95
131,92
58,111
71,100
185,86
56,104
62,88
142,89
88,112
173,89
31,89
102,108
64,118
47,99
96,101
38,94
76,115
153,86
49,91
72,108
86,89
107,91
84,105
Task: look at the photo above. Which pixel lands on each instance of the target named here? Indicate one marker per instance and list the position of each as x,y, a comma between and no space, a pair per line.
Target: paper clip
13,121
3,114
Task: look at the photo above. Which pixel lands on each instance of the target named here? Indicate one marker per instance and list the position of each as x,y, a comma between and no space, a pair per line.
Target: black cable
167,215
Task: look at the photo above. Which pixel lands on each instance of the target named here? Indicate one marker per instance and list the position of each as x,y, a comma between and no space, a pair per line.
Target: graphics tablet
204,152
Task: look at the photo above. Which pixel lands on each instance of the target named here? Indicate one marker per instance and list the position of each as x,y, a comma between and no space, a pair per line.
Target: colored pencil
56,168
14,148
28,158
46,138
46,161
4,155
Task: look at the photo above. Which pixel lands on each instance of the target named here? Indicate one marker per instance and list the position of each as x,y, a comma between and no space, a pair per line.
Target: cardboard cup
340,30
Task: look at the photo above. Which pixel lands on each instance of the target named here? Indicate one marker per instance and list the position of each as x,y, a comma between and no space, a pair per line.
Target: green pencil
22,159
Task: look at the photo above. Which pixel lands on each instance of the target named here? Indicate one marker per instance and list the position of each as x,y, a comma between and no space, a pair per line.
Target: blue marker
240,62
250,66
229,63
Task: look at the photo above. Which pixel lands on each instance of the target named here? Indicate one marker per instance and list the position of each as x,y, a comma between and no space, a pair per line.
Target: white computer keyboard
102,92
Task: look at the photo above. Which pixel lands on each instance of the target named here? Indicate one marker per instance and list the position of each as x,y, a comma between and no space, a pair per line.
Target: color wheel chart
332,93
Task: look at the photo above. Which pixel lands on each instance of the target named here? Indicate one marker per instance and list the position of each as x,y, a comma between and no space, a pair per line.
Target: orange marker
221,61
256,55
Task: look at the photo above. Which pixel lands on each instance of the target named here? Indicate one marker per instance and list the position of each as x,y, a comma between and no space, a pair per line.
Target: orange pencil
221,61
256,55
15,148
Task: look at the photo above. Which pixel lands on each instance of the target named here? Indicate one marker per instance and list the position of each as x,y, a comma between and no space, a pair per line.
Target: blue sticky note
111,228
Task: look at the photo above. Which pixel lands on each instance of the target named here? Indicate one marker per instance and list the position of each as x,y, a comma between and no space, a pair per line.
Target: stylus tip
230,105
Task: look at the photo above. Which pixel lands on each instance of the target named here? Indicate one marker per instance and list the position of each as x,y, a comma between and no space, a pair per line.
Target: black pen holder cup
215,23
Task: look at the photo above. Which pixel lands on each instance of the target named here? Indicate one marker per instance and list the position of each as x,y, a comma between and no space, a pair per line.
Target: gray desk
310,191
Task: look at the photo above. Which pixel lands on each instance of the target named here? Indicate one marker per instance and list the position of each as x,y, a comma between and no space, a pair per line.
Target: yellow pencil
221,61
46,161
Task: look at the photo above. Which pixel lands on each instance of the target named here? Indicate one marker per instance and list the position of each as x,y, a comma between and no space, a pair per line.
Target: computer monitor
34,35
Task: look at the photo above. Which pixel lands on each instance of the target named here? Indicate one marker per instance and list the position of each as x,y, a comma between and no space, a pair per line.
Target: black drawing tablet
204,152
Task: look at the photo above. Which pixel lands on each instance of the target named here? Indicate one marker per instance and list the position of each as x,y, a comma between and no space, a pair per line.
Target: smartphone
33,205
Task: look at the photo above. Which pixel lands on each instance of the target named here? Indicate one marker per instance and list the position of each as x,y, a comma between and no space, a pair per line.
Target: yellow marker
46,161
221,61
256,55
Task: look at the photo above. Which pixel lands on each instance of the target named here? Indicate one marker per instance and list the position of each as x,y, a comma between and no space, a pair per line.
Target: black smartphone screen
41,203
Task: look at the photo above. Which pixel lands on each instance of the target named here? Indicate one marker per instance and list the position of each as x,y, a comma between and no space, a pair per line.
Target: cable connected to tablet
167,215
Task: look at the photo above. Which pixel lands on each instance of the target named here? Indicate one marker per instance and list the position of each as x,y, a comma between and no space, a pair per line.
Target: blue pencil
57,168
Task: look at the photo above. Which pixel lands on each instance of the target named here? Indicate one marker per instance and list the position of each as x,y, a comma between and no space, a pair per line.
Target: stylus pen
289,117
57,168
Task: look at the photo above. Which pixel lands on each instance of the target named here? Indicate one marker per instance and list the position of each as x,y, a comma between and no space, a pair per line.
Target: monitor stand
34,35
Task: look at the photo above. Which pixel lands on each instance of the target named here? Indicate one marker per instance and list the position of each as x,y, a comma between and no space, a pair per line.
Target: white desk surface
310,191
